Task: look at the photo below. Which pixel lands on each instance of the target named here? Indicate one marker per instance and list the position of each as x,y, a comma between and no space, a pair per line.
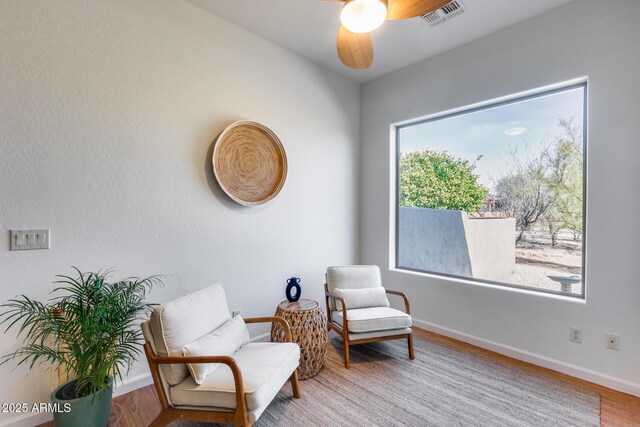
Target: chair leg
242,419
246,422
161,420
295,385
410,342
157,422
346,353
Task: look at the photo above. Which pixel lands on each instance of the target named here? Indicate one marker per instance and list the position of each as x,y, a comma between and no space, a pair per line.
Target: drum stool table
308,329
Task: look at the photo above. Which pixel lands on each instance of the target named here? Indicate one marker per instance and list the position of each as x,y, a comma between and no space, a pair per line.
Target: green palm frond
89,325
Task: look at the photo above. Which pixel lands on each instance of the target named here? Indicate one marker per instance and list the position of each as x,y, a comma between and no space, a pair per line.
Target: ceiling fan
361,17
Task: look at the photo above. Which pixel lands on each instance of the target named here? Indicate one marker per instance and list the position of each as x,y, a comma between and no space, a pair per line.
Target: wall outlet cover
612,341
575,335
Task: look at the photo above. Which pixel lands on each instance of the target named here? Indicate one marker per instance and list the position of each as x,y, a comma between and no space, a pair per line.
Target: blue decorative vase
293,283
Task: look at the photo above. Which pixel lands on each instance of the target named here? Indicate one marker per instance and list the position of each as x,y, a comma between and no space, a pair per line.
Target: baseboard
34,419
122,387
599,378
133,383
126,386
27,420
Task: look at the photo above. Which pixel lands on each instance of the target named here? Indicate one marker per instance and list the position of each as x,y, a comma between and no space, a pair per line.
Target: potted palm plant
89,327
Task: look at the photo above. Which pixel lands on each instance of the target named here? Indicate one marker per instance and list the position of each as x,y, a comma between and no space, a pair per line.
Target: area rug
444,386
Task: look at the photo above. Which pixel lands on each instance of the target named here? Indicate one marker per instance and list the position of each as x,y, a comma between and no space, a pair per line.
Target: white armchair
204,368
355,293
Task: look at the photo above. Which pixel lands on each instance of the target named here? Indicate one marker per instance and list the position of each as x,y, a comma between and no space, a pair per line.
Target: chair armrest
170,360
407,306
345,326
155,361
276,319
336,297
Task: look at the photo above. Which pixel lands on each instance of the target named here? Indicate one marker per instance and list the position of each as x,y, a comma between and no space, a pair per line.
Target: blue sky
482,132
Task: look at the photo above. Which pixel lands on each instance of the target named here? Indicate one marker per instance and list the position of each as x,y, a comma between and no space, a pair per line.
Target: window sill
579,299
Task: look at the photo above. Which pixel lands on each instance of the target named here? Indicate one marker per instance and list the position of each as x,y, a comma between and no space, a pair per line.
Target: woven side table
308,329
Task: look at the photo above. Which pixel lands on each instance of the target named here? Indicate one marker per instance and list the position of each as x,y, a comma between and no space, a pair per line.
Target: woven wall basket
249,163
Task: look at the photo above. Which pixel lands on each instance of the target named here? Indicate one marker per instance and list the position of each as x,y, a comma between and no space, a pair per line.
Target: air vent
446,13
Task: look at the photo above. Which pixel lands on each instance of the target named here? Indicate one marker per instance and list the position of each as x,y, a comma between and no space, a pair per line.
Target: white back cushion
224,341
362,298
352,277
185,320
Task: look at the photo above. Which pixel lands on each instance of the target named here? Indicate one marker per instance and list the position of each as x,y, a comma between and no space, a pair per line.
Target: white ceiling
310,27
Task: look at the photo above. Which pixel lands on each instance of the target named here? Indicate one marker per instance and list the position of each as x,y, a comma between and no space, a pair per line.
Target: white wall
584,38
492,249
450,242
108,111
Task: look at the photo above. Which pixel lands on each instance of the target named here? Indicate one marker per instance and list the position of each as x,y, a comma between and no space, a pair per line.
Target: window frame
482,106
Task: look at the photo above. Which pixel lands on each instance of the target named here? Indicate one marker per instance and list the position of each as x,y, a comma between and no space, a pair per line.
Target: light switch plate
22,240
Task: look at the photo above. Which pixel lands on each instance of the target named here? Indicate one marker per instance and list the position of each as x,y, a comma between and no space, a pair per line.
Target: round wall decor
249,163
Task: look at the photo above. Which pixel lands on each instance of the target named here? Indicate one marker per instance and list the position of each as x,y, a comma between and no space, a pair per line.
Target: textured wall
108,111
584,38
433,240
492,248
450,242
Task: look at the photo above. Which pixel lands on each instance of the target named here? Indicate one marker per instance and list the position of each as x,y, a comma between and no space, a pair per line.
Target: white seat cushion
373,319
265,368
185,320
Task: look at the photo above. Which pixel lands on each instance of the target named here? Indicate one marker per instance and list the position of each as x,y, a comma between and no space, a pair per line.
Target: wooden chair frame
240,416
344,331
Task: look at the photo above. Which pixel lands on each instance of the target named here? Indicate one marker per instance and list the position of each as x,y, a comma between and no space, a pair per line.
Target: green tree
546,185
437,180
566,181
524,193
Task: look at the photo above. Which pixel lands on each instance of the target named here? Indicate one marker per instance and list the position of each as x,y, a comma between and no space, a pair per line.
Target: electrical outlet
575,335
612,341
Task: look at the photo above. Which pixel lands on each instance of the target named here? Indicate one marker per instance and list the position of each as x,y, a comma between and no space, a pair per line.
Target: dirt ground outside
536,260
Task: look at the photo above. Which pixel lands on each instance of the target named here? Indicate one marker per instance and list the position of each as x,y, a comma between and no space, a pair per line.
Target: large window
496,193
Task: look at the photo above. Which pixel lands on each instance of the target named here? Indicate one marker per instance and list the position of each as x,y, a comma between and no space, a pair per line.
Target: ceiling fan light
363,16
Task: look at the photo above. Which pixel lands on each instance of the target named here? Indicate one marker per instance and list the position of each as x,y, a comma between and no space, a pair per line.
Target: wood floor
140,407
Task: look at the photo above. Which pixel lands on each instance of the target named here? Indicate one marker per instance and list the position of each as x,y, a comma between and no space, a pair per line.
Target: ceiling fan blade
403,9
355,50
